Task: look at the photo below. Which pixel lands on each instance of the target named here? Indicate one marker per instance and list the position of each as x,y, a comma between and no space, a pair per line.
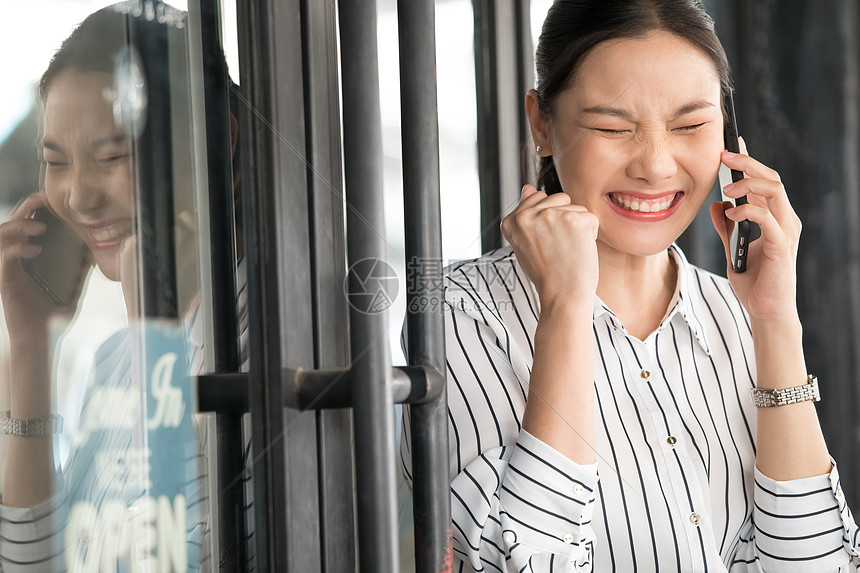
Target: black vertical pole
425,326
489,147
230,499
263,341
154,173
371,364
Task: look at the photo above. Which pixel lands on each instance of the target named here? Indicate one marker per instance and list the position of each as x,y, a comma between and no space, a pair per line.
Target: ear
539,124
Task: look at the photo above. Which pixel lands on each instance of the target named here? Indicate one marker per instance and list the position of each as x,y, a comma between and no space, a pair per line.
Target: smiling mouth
640,205
110,234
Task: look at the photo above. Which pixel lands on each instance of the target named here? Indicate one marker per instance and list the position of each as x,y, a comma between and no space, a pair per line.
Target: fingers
14,236
771,231
531,197
29,205
20,230
531,204
528,191
763,188
751,167
20,251
539,211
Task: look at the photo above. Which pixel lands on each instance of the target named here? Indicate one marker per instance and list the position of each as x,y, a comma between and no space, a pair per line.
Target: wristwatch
30,428
766,397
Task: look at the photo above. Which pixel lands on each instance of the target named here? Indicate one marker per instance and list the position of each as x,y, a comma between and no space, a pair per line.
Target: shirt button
578,489
695,518
838,491
672,440
568,538
645,375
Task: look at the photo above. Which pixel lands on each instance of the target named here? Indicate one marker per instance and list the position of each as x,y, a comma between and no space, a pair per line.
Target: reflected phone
739,233
57,269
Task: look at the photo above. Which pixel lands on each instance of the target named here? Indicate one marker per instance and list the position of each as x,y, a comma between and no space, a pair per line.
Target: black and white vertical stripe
674,434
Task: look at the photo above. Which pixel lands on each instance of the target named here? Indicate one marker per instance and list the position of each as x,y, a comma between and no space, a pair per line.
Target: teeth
642,206
106,234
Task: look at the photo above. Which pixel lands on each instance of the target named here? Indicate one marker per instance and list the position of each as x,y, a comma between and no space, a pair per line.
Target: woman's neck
638,289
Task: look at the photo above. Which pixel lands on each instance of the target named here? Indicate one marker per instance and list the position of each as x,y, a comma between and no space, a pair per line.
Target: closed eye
114,158
689,128
611,131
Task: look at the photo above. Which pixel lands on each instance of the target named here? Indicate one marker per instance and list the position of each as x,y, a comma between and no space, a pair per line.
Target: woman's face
637,138
89,179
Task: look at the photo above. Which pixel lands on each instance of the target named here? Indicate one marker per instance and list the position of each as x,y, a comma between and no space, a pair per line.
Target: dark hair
94,44
574,27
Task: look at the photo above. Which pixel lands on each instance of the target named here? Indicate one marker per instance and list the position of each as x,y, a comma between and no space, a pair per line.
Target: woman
89,183
599,384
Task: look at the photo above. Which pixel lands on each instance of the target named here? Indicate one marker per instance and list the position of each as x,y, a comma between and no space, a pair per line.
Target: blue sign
133,480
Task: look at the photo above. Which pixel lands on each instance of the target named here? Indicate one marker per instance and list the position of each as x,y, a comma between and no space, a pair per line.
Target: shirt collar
686,297
683,302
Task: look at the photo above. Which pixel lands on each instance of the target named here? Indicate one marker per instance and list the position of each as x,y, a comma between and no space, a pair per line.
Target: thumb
720,221
742,145
528,191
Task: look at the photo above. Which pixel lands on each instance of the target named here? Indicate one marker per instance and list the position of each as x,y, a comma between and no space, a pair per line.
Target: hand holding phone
58,267
739,233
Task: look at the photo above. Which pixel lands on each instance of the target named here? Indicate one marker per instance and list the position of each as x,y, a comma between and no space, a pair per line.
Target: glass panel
106,307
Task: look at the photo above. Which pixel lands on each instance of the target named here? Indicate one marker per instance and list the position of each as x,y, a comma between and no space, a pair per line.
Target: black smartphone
739,233
57,269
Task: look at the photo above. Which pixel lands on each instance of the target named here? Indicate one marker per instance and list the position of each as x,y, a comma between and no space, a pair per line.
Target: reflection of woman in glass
89,184
599,384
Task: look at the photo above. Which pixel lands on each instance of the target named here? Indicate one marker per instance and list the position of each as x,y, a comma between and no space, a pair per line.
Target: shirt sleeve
31,538
801,525
517,503
525,506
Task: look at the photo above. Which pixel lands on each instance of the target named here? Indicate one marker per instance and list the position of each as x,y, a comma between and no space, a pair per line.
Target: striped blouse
675,487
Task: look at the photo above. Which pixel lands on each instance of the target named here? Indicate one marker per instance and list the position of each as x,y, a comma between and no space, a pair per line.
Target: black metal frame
373,406
424,323
503,73
257,174
292,143
328,252
153,153
229,499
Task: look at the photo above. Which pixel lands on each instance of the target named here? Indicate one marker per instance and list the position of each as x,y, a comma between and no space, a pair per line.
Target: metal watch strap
766,397
30,428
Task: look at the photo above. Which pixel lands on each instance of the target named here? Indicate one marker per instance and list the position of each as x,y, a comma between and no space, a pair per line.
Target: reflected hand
555,243
186,262
129,276
767,289
27,309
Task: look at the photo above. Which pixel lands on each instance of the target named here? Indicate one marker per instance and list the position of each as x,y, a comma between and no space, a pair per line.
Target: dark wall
795,66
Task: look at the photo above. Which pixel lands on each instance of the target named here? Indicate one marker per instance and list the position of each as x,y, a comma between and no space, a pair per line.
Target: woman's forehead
77,106
657,70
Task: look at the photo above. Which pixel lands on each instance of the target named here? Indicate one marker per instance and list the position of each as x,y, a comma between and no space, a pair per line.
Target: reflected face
89,178
637,138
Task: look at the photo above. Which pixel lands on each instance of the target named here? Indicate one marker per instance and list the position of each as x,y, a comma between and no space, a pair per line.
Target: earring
539,148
